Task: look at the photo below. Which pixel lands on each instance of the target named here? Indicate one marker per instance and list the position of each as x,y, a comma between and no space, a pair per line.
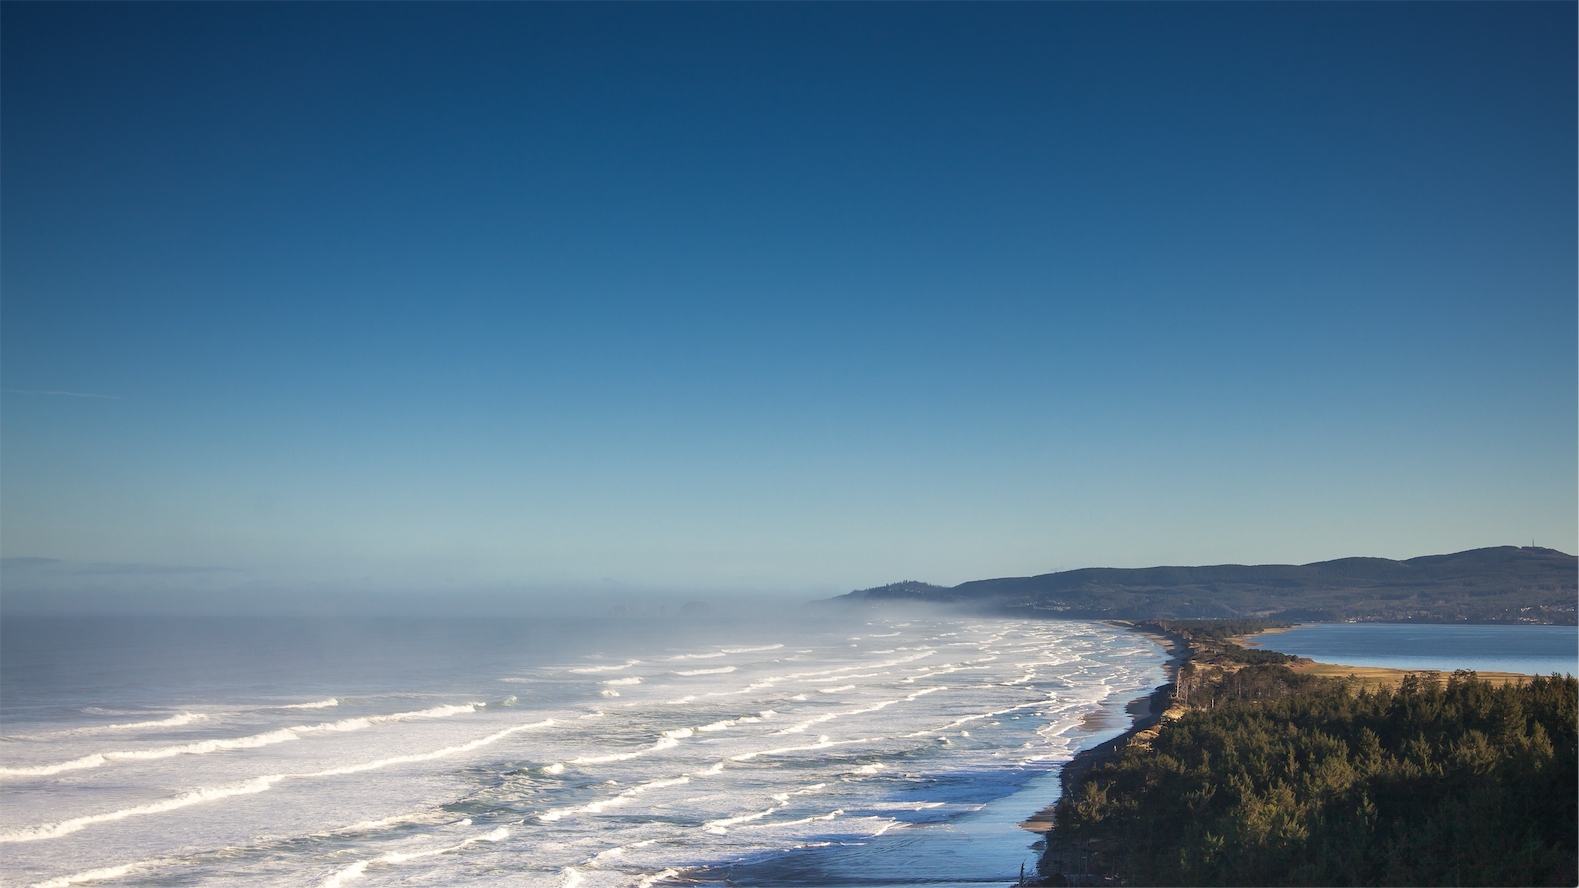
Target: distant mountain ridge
1503,584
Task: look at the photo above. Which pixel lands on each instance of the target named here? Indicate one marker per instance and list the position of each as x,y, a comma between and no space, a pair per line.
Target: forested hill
1318,784
1505,584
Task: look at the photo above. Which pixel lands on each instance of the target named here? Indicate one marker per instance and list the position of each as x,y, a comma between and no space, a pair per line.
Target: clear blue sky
798,298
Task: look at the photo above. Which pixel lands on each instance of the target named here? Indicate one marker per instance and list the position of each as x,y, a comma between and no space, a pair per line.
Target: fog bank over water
51,586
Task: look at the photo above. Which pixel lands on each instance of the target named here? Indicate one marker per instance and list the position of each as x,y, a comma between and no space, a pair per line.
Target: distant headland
1503,584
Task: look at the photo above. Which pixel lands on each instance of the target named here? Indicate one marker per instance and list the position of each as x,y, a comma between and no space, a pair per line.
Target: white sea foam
665,743
197,796
248,787
622,798
835,674
87,761
719,671
199,748
721,725
744,783
848,677
395,820
823,742
829,816
174,721
909,658
942,670
720,827
355,870
748,650
629,794
357,724
588,670
981,715
784,796
796,729
321,704
254,741
446,752
108,872
886,827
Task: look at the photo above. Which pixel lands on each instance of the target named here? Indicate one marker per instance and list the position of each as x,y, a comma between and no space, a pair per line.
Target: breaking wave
759,755
719,671
202,747
355,870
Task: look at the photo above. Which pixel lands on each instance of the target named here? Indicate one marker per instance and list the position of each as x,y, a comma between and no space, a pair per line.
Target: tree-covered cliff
1462,784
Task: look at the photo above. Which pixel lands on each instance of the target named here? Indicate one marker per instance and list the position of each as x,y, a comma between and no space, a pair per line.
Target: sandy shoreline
1145,712
1377,676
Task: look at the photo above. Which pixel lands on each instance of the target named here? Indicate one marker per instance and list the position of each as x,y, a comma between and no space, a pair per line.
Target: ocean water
1532,650
595,753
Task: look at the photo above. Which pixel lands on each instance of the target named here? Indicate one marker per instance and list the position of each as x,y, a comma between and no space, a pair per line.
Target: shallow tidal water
836,751
1444,647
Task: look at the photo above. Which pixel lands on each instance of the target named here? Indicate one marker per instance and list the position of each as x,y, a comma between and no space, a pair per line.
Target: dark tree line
1312,782
1209,639
1216,630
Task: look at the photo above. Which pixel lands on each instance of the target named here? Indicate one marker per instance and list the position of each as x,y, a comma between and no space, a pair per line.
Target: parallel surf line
282,735
246,787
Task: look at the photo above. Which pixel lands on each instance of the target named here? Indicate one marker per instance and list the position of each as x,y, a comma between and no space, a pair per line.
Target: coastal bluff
1259,774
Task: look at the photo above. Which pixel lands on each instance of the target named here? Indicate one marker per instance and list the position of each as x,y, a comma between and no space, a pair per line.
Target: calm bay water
1532,650
593,753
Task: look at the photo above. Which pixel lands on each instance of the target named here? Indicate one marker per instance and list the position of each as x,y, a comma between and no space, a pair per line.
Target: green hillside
1505,584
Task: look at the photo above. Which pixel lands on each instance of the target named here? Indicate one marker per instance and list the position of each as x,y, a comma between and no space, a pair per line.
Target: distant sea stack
1504,584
